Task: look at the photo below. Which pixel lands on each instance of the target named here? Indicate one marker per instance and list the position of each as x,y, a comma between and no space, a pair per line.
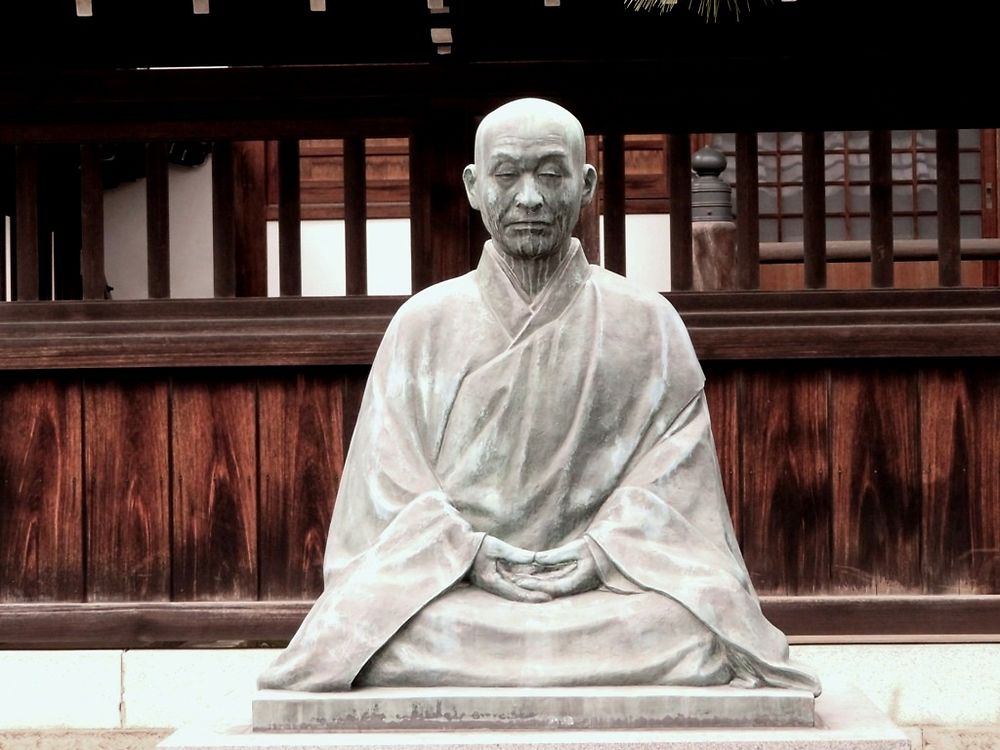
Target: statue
532,495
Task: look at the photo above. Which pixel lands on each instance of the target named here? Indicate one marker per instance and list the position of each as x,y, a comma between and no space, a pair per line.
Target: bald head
529,179
533,118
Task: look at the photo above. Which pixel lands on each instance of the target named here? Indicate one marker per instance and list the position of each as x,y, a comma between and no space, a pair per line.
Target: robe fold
580,415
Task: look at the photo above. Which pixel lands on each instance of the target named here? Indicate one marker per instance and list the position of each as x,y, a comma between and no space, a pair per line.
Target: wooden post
95,285
157,220
439,210
614,202
289,219
747,213
26,217
949,230
880,148
589,228
250,218
681,265
355,216
814,209
223,241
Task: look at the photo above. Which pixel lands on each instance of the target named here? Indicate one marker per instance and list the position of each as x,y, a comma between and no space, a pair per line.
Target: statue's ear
469,178
589,184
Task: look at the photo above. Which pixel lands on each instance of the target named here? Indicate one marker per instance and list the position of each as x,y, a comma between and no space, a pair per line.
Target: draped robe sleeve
583,416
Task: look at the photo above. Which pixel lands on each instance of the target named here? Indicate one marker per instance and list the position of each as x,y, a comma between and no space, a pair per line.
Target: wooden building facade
168,466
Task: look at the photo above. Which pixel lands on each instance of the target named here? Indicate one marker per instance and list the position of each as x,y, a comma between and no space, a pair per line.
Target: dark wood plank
148,624
681,258
880,147
214,467
301,459
223,220
876,480
127,489
355,216
289,218
949,254
613,205
41,513
158,220
589,228
891,619
250,217
353,389
747,219
786,489
814,208
722,392
95,284
960,451
26,222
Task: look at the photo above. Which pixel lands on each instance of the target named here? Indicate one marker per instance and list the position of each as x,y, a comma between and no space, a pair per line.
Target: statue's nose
527,195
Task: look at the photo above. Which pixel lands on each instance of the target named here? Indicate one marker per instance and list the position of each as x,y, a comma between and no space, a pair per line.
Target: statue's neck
533,274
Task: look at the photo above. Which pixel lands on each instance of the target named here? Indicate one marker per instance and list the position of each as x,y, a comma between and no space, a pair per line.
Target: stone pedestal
525,709
845,720
714,248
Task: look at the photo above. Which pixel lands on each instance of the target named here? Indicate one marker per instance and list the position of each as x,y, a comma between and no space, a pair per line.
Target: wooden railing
445,238
154,454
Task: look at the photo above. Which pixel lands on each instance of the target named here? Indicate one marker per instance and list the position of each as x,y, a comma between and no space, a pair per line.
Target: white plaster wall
647,251
191,270
323,251
950,685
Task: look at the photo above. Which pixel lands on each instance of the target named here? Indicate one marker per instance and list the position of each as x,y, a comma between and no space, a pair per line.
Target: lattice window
914,175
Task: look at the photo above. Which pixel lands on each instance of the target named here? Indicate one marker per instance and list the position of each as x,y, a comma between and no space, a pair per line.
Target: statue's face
529,182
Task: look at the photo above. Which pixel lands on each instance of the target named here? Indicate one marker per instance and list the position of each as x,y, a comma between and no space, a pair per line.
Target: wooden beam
614,202
289,218
747,216
26,222
681,259
880,148
949,229
157,220
813,619
95,284
854,251
346,331
814,208
355,216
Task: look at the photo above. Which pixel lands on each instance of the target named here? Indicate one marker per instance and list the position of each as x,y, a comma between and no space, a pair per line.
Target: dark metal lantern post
713,222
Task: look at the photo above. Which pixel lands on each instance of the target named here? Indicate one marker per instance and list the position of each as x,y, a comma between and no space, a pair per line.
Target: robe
579,415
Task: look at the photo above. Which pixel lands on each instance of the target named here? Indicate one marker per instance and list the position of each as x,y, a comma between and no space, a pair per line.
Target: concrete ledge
845,719
78,739
520,709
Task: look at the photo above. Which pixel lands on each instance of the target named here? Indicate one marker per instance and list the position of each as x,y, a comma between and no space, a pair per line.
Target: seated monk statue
532,495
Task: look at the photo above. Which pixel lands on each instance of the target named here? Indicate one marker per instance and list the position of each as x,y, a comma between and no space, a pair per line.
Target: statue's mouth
530,226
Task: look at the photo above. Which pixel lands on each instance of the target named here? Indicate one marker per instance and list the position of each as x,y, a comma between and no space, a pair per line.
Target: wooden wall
844,477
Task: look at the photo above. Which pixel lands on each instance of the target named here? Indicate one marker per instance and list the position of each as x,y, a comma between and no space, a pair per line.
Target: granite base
845,720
